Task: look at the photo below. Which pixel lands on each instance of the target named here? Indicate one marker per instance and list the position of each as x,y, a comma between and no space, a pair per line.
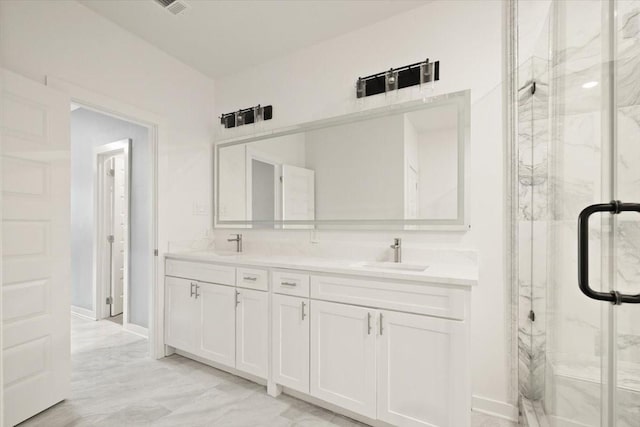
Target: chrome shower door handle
614,207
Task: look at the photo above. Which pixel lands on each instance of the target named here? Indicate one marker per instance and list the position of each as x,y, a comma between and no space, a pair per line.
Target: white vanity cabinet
220,322
343,356
252,331
387,351
216,318
181,314
422,370
290,326
403,368
200,319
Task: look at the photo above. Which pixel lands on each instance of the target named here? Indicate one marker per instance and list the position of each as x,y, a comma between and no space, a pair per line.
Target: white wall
88,131
319,82
68,41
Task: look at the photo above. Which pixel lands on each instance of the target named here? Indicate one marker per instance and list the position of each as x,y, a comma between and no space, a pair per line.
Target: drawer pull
288,283
253,279
192,293
303,314
368,323
237,298
197,291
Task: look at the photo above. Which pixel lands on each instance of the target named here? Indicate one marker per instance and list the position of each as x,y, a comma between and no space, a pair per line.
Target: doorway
111,203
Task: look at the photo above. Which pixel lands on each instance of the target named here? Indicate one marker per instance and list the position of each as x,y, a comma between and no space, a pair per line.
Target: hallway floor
114,383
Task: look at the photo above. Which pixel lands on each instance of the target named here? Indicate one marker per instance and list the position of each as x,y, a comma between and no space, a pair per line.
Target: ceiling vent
174,6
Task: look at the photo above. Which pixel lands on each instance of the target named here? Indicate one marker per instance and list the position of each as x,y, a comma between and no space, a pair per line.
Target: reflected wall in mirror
402,167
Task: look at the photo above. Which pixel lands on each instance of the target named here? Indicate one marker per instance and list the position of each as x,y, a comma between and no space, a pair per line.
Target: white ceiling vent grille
173,6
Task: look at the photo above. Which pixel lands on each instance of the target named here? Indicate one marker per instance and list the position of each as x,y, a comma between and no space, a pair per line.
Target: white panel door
120,234
298,193
252,330
216,323
290,323
343,356
422,377
181,313
34,121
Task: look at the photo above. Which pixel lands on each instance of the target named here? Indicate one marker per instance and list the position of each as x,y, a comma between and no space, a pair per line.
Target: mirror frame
461,223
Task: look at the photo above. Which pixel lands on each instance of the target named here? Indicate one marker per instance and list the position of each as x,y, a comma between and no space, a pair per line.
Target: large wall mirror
400,167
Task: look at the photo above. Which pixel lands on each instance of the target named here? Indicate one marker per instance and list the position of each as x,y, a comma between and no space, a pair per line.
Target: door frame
157,127
101,283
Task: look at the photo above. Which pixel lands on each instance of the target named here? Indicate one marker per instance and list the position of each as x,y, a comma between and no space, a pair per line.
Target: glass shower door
592,358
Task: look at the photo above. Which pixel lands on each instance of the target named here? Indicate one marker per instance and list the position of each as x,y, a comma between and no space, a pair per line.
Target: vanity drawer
291,283
252,278
201,271
412,298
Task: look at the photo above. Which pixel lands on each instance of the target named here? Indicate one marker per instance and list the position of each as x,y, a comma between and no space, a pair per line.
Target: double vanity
384,343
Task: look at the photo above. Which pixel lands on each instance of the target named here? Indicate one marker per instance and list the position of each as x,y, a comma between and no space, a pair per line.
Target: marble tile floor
114,383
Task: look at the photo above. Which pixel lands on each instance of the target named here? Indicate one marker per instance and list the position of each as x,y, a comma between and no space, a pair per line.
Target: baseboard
494,408
136,329
83,313
221,367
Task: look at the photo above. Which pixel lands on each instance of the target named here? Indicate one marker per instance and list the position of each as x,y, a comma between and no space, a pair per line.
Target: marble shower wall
533,194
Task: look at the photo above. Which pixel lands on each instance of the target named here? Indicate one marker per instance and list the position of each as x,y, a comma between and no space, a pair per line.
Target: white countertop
439,273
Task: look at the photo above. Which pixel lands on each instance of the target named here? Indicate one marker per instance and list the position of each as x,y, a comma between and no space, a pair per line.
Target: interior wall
66,40
301,88
89,130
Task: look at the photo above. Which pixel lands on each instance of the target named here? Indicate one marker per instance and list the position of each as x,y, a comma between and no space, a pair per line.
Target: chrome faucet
238,241
397,249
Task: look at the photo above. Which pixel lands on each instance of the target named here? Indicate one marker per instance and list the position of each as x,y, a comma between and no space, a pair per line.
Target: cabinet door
343,356
422,371
290,323
181,314
217,318
252,329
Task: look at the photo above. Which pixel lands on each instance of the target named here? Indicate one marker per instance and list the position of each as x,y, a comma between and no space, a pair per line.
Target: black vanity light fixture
398,78
246,116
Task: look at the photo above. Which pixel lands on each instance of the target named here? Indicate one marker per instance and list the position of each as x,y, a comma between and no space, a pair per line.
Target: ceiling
221,37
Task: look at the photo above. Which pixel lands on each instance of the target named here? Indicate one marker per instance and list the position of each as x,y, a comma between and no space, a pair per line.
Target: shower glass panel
578,145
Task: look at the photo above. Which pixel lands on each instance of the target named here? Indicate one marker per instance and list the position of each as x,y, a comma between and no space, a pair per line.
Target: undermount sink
393,266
